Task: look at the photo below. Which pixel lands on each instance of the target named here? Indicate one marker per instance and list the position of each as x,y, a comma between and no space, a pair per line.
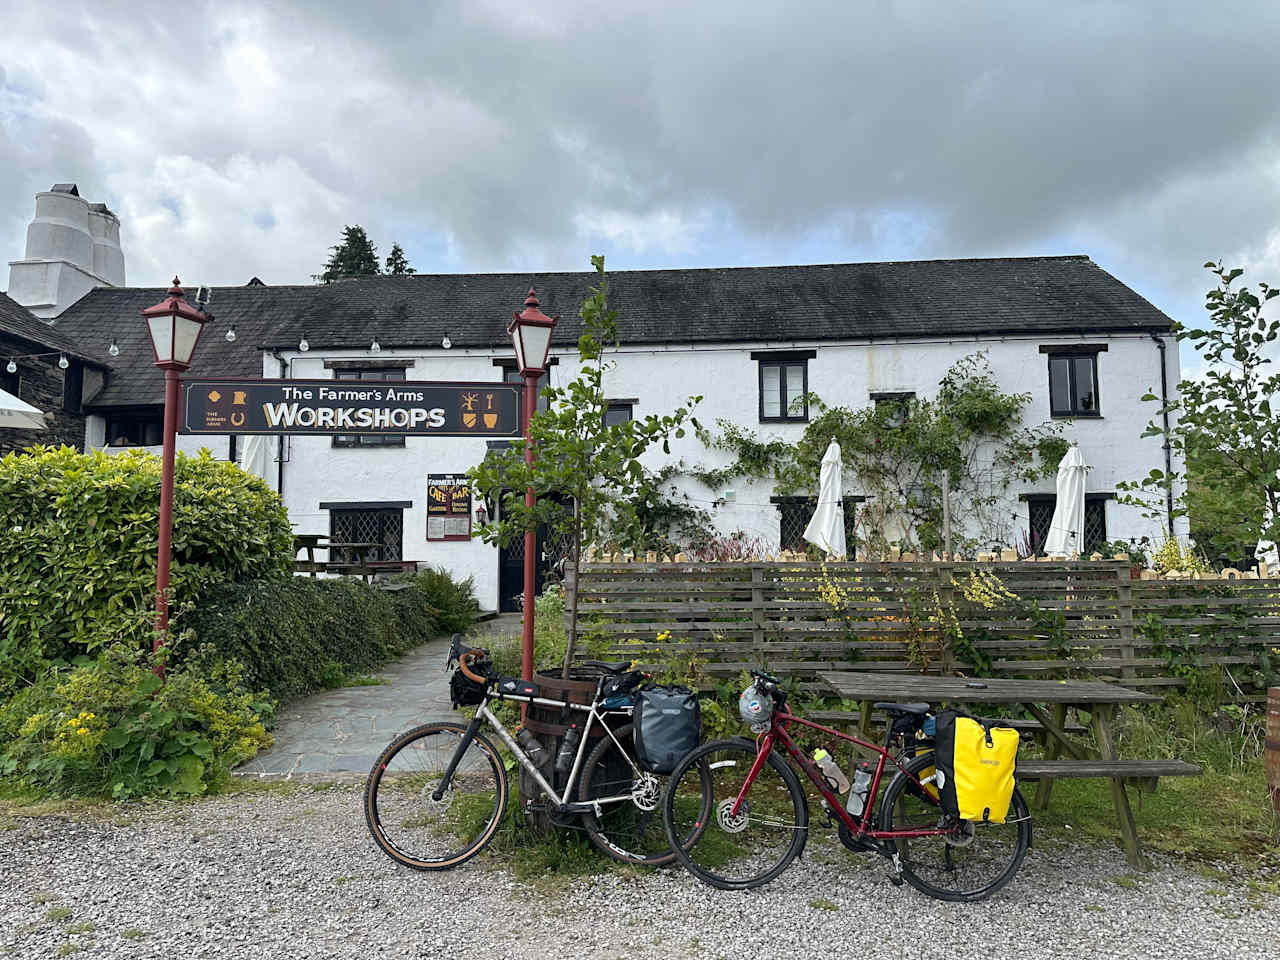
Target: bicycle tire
913,866
627,833
715,825
446,816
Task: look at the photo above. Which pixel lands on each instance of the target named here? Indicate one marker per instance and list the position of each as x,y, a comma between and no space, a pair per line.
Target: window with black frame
618,411
794,514
377,439
1040,509
511,374
893,408
135,428
784,385
1073,380
383,527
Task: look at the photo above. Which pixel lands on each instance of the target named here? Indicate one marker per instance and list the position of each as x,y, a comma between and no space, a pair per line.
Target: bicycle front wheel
408,823
970,863
628,827
734,851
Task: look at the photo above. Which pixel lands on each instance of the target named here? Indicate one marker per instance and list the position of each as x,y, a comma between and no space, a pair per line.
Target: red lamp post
531,334
174,326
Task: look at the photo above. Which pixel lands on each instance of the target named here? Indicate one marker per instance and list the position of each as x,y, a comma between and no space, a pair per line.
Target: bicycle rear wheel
971,863
628,830
411,826
734,851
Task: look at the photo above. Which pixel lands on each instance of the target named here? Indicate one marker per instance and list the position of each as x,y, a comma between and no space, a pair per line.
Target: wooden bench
1143,774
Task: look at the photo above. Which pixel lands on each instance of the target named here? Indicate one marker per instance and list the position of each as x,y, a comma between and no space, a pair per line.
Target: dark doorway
549,567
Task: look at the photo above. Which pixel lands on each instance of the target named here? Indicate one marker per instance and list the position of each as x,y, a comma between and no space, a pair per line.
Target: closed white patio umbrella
826,528
255,456
19,414
1066,529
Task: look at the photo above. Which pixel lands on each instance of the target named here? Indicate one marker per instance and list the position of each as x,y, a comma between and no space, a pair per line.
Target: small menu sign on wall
448,506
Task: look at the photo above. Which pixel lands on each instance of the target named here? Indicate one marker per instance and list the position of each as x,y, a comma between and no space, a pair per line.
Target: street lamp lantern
531,333
175,327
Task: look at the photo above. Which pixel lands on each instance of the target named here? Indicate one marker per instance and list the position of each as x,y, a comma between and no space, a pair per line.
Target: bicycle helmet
756,708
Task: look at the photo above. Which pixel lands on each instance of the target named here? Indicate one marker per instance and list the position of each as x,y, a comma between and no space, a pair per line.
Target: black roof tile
1044,295
18,321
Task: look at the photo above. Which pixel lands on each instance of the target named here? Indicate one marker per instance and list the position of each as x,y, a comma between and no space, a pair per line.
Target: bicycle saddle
903,709
618,667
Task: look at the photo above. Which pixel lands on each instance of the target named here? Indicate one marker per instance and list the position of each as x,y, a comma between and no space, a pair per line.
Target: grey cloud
1145,134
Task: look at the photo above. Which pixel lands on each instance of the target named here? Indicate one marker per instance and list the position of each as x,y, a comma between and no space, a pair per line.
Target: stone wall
40,384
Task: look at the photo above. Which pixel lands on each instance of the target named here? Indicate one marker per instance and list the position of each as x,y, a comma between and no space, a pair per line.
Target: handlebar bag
977,764
463,691
667,724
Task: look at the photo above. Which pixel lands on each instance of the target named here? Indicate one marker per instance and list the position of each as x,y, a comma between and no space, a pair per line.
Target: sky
237,140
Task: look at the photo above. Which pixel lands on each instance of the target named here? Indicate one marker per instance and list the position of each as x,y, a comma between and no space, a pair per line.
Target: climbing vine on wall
895,455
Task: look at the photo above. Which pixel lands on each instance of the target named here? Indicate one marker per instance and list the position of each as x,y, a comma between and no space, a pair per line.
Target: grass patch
133,933
58,914
1215,817
821,903
69,948
1221,818
84,926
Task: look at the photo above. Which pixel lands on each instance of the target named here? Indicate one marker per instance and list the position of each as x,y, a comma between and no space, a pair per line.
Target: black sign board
448,506
414,408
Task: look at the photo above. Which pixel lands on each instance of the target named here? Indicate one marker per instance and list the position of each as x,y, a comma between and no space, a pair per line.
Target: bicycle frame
562,802
777,733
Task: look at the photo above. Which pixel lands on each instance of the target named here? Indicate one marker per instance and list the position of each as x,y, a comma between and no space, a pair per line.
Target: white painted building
1081,343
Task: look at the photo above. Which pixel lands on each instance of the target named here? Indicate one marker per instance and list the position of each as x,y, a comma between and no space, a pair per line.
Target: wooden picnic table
321,541
1098,699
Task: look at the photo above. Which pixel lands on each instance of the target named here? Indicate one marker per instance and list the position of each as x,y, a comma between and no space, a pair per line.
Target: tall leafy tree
1225,431
354,256
592,465
397,262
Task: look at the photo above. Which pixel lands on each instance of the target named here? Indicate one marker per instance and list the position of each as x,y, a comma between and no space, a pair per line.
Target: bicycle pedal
895,879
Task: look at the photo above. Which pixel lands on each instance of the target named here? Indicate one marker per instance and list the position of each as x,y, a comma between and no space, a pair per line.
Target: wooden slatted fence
1085,618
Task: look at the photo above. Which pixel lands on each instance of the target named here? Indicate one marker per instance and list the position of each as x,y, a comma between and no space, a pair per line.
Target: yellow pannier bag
977,764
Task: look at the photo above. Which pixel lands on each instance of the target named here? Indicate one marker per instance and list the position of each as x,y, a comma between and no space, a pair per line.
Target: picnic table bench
350,559
1098,699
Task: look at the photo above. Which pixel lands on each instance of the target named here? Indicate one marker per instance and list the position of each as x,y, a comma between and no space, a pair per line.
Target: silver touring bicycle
437,794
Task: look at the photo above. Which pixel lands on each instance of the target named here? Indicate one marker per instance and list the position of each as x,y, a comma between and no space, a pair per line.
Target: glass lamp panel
185,334
517,338
161,329
537,340
771,390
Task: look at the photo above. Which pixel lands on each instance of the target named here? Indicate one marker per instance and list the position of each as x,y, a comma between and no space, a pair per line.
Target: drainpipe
1168,447
284,372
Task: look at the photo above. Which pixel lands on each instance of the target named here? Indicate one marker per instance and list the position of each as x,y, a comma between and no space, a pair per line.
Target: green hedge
78,537
290,633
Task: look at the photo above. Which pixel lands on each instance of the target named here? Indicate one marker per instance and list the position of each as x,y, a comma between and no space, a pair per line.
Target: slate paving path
344,730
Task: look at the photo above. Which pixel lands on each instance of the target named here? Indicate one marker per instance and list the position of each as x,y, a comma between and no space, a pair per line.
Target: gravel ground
294,875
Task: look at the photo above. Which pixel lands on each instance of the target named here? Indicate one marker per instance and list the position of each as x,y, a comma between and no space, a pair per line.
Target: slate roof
16,320
1035,295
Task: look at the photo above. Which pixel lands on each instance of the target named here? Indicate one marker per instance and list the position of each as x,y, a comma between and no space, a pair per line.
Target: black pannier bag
463,691
667,725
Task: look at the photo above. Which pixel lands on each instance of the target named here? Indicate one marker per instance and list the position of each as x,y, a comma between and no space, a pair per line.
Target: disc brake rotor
728,822
964,835
646,792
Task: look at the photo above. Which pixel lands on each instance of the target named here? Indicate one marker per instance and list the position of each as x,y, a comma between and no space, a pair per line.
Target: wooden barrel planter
547,724
1273,748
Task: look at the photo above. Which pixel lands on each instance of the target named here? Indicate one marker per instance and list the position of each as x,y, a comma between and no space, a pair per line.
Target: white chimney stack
72,247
